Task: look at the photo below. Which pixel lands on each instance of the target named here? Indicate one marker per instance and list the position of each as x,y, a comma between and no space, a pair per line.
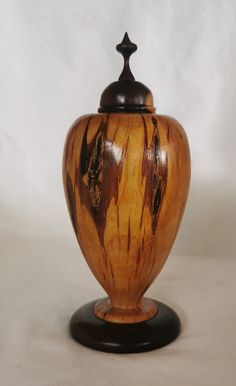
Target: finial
126,95
126,48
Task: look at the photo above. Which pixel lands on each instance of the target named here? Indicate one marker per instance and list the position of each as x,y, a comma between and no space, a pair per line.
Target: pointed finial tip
126,45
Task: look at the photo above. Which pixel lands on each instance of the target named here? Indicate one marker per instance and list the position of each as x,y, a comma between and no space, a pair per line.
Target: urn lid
126,95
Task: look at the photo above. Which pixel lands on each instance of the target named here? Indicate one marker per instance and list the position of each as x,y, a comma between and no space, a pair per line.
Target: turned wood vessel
126,174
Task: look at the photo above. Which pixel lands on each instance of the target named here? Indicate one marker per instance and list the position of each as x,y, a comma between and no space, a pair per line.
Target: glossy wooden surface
126,179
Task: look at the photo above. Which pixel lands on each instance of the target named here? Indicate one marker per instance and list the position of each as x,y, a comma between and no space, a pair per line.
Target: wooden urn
126,174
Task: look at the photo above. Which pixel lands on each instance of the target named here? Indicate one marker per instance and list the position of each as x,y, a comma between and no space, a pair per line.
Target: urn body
126,179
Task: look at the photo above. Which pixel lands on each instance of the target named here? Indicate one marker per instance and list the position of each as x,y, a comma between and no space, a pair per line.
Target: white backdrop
56,58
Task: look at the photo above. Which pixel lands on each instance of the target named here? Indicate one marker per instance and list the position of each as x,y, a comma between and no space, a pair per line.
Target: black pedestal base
100,335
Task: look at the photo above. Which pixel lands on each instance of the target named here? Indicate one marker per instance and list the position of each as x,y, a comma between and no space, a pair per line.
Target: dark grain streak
71,202
118,216
128,243
95,171
159,178
145,133
112,274
114,136
168,131
141,218
83,154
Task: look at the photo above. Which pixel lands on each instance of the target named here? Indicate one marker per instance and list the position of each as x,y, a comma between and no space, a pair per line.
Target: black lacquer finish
100,335
126,94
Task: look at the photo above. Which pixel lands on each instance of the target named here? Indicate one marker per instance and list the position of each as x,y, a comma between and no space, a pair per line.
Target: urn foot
146,309
91,331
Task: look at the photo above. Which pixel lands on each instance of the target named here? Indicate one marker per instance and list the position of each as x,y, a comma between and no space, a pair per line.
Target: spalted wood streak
155,172
95,170
159,178
90,175
99,176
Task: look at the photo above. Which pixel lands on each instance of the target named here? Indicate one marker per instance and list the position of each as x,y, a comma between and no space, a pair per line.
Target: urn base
145,310
91,331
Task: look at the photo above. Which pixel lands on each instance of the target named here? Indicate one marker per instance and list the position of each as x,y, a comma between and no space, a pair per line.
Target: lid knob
126,94
126,48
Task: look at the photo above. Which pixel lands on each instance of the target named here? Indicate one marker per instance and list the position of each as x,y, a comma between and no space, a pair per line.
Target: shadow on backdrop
208,226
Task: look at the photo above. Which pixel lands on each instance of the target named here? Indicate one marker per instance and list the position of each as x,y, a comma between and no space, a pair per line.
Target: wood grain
126,179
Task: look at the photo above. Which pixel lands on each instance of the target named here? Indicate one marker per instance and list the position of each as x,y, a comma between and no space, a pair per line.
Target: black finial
126,48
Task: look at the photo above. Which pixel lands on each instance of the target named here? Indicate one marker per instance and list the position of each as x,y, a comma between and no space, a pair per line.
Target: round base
87,329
